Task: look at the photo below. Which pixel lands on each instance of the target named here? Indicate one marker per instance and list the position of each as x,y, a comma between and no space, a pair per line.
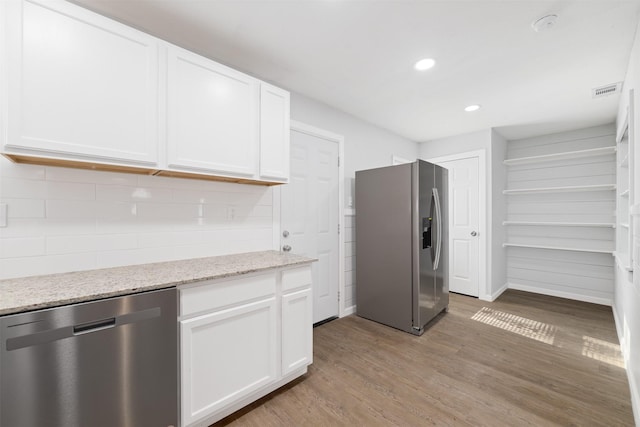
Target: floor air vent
607,90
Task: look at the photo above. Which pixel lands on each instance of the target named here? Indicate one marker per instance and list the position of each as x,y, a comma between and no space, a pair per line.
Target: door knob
286,248
474,233
285,233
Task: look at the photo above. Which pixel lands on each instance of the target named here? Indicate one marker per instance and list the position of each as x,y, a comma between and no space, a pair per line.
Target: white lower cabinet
240,339
297,334
249,356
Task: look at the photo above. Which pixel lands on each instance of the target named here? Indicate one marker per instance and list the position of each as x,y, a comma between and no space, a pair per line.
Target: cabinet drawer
214,294
296,278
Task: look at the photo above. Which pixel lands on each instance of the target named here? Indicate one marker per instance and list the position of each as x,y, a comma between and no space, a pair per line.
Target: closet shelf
624,224
561,156
557,248
602,187
625,193
623,261
625,162
562,224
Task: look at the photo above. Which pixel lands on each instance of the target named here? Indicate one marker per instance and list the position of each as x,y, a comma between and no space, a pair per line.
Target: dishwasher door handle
95,326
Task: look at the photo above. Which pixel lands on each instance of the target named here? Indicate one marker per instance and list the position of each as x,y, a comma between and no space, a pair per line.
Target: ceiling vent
602,91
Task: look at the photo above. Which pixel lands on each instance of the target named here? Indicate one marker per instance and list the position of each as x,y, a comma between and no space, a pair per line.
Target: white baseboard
633,385
348,311
494,296
560,294
635,396
619,331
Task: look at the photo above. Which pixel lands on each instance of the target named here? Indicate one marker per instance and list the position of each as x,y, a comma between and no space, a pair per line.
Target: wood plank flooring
524,359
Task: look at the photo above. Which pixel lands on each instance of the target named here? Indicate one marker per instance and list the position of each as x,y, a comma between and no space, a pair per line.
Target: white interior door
464,220
309,216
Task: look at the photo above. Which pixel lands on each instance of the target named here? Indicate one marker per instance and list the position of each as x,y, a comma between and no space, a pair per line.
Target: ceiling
358,56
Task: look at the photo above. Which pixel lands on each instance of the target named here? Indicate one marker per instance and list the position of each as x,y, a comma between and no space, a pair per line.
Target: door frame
277,226
484,244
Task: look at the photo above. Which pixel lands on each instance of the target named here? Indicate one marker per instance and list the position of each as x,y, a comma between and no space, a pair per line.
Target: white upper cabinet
212,116
80,85
274,133
81,90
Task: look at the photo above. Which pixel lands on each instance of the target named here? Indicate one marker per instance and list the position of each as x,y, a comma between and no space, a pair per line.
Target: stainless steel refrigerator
402,244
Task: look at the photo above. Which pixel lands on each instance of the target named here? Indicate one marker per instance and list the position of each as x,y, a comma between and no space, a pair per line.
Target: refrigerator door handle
436,197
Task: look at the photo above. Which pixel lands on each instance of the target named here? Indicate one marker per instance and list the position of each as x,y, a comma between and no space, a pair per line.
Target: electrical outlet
3,214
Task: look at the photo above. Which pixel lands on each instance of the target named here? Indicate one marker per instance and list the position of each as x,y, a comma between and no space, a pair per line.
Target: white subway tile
128,193
18,188
70,209
89,243
119,258
348,263
35,266
157,239
19,170
21,247
69,226
70,190
116,211
262,211
168,210
349,249
166,182
23,227
89,176
116,226
348,278
24,208
200,196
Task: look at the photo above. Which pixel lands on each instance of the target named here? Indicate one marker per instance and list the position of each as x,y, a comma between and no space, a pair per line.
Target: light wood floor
532,360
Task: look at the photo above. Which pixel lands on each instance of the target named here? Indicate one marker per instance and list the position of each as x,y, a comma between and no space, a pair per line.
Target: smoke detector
602,91
545,23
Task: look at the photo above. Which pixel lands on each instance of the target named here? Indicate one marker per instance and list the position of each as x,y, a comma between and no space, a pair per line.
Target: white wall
482,140
63,219
365,146
626,306
498,281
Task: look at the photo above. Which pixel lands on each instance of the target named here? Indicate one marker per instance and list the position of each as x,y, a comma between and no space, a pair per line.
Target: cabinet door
79,84
226,355
212,116
297,330
274,133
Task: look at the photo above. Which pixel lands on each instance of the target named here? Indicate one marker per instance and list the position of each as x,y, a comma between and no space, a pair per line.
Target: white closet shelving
559,248
560,224
561,156
563,189
624,199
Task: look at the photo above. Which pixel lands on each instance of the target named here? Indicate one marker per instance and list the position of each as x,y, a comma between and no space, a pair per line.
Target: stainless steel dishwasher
111,362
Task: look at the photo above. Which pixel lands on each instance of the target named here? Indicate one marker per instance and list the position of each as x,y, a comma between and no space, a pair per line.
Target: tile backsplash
61,219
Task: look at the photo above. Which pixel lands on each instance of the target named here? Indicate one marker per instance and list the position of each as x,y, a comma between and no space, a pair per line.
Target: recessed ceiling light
474,107
424,64
545,23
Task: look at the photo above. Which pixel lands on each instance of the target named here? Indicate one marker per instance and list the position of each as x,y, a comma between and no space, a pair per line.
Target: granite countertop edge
40,292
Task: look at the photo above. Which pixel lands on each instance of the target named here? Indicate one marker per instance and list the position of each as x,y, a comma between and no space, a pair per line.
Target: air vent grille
607,90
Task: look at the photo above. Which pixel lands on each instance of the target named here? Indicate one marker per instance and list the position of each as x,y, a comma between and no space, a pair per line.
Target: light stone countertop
37,292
